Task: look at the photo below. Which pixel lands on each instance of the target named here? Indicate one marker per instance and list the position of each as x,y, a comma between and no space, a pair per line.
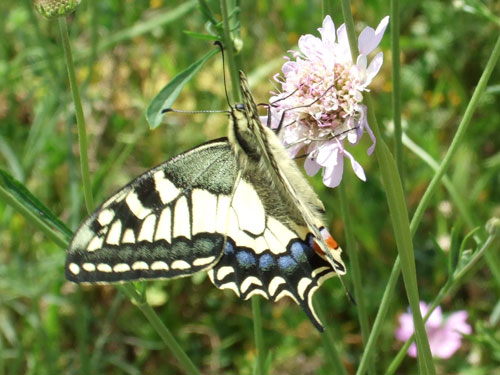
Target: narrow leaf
167,96
24,197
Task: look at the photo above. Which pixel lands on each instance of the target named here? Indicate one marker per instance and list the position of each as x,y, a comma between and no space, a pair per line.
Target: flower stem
259,339
160,328
396,88
233,68
331,353
386,300
355,269
399,214
229,50
80,120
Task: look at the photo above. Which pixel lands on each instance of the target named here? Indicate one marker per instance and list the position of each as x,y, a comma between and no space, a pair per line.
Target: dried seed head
55,8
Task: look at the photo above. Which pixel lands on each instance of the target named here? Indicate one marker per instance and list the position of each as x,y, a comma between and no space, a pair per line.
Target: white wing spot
274,244
275,283
167,190
103,267
147,229
128,236
204,211
302,286
164,227
224,271
181,219
105,217
114,233
221,218
281,232
260,245
89,267
74,268
180,265
317,271
203,261
286,293
249,208
256,291
249,281
232,286
135,205
159,266
140,265
95,244
121,267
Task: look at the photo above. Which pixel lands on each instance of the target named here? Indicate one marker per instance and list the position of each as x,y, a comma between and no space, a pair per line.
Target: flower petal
369,39
458,322
374,68
333,175
405,329
357,168
310,46
328,154
328,31
311,166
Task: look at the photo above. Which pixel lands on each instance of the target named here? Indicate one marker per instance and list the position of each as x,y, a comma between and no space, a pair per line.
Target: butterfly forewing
169,222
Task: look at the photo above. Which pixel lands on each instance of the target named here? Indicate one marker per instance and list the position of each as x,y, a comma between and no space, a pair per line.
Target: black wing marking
164,224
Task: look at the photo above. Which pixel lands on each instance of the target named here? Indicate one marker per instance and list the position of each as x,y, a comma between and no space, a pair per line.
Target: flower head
445,335
321,97
55,8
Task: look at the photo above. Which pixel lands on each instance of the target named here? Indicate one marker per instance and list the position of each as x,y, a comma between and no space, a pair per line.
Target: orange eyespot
330,242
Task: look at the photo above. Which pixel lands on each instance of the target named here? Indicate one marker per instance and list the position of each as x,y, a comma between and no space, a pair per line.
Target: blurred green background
125,52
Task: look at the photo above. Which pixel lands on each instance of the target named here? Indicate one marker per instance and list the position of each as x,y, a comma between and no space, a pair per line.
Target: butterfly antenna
219,44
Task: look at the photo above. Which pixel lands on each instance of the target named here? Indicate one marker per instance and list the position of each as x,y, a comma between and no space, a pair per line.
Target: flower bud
55,8
493,226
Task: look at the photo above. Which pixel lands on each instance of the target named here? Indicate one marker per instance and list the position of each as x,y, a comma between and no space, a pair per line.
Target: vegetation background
125,52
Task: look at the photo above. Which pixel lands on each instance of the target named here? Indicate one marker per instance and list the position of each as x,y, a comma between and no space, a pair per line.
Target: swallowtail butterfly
237,207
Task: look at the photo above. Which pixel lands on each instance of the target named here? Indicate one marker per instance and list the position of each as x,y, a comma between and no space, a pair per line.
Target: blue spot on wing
229,249
245,258
298,250
287,263
266,262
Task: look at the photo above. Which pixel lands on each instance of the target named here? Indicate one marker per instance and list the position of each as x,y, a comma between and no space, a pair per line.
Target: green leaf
31,204
167,96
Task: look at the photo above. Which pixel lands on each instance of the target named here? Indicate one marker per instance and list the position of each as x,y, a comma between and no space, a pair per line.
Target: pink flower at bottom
445,335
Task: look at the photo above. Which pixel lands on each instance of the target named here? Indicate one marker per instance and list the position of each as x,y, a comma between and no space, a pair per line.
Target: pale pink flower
445,334
322,94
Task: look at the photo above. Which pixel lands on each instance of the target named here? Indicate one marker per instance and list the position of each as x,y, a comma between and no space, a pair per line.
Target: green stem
331,353
236,93
396,87
160,328
229,50
444,292
399,214
386,300
259,339
80,120
354,268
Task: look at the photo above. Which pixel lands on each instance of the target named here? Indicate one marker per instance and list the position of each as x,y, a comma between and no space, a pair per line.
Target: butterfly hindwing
168,222
275,259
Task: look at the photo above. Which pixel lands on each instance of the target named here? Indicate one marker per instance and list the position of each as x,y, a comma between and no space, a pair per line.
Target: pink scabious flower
445,334
321,97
